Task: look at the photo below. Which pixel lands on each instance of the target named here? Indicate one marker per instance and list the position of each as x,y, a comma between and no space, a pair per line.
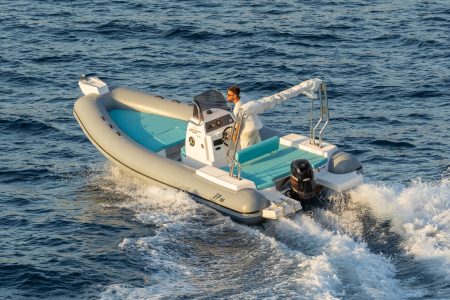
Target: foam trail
280,271
353,271
420,213
151,205
322,263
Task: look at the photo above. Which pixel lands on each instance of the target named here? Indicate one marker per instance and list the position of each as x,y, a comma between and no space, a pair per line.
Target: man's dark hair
235,89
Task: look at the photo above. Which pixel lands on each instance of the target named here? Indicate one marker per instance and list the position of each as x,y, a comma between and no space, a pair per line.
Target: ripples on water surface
73,226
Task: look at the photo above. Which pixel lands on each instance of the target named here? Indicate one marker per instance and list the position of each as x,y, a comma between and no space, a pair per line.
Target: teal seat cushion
154,132
268,167
258,149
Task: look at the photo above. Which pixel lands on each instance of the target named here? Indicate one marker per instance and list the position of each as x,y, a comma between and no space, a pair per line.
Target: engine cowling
302,179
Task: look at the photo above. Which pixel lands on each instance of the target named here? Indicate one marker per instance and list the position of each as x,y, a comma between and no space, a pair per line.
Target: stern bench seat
268,161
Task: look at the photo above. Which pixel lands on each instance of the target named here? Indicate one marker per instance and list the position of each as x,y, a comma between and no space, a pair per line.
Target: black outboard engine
302,180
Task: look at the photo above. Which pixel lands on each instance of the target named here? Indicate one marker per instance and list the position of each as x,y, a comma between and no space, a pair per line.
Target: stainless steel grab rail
232,148
324,116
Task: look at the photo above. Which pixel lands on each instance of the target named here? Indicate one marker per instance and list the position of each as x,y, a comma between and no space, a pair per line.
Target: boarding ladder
324,117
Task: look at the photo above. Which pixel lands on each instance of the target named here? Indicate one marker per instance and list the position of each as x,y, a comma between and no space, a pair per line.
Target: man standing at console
251,123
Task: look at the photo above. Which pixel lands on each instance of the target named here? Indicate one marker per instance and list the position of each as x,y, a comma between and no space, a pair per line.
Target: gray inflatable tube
92,113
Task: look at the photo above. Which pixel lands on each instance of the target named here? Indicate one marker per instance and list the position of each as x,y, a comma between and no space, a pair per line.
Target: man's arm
308,88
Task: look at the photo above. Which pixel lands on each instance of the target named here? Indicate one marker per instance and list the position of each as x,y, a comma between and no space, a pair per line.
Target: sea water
73,226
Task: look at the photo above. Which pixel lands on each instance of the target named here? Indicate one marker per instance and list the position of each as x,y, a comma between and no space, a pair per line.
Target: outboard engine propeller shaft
302,179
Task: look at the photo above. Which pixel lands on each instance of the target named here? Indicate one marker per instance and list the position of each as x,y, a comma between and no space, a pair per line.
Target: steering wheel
226,135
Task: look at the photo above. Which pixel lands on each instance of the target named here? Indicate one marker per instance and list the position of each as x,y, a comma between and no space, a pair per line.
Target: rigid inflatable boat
188,147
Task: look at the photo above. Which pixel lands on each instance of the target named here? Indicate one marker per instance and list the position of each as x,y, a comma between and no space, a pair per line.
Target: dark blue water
72,226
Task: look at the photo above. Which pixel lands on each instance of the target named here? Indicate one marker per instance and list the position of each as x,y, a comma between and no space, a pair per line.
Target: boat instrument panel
219,122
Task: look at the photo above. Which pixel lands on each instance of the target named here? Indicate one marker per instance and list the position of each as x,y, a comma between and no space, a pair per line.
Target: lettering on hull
218,198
